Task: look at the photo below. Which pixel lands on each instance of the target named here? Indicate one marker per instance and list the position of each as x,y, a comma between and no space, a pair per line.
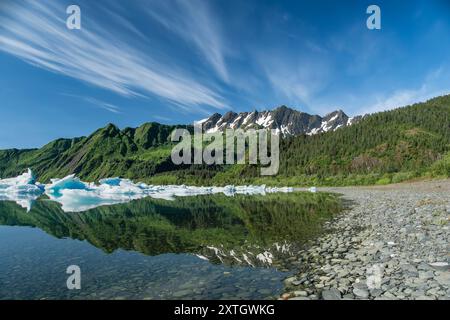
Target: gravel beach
391,243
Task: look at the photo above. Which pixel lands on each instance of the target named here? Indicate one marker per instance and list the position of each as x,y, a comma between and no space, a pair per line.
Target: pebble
332,294
300,293
392,243
361,293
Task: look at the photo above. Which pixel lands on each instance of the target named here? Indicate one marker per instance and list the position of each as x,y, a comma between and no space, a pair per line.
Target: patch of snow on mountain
236,122
265,120
327,125
285,130
350,121
201,121
248,117
313,131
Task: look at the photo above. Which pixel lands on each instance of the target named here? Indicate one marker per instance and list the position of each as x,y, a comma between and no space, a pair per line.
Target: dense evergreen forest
386,147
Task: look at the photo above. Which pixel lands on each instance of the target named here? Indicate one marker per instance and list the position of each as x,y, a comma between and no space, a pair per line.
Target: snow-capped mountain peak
287,121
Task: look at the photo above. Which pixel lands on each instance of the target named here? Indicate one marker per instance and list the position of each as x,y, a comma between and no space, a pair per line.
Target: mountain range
286,121
384,147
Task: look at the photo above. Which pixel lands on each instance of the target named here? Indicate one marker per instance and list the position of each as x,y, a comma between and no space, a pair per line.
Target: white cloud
95,102
193,22
401,98
104,105
36,33
430,88
297,79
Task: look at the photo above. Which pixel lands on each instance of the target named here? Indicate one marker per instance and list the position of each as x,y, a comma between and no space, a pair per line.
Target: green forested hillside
386,147
391,145
107,152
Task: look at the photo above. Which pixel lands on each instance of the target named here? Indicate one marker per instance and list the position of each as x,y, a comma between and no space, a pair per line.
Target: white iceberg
120,186
23,184
67,183
278,189
23,179
251,190
75,195
111,181
23,189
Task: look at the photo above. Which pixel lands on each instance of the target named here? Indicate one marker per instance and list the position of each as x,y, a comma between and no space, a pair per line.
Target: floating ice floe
23,190
278,189
75,195
23,184
312,189
24,179
68,183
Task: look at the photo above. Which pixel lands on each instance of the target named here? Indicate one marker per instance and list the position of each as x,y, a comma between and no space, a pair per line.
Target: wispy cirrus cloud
95,102
193,21
431,87
104,105
35,32
296,79
403,97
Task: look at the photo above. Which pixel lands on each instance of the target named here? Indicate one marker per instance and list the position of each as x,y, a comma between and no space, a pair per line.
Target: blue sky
179,61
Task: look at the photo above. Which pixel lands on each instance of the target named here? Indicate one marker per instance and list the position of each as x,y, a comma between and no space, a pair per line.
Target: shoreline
391,243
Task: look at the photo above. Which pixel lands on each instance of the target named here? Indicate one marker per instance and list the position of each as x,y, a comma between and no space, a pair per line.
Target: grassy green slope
384,147
131,153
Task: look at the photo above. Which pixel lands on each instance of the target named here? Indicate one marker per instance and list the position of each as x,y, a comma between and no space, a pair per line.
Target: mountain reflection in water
233,230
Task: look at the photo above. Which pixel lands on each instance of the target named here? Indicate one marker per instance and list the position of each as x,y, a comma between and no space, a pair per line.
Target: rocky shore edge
391,243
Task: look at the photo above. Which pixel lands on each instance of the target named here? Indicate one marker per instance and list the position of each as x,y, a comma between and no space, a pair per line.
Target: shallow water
202,247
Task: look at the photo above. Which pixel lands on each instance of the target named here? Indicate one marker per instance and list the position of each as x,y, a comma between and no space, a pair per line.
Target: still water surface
200,247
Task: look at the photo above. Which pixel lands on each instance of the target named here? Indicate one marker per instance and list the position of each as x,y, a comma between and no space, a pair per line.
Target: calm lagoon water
201,247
